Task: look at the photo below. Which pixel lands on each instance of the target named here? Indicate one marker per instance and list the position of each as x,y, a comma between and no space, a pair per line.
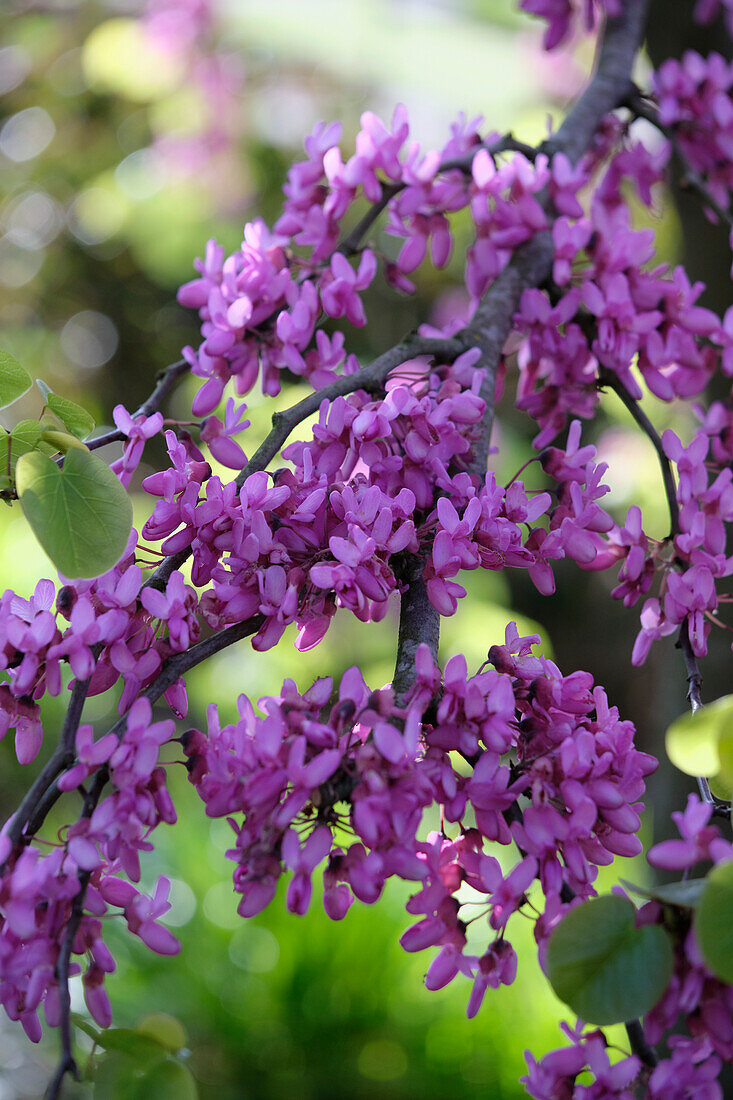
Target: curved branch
370,378
691,178
530,266
639,1045
611,83
508,143
67,1062
694,679
607,378
62,758
694,697
167,381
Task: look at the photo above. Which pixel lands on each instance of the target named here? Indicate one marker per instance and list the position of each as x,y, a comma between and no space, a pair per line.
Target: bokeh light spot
26,134
382,1060
183,904
97,214
220,905
17,265
15,65
254,949
119,57
33,220
89,339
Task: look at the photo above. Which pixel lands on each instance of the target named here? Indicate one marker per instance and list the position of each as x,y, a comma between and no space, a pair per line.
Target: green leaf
165,1029
75,419
605,968
722,789
167,1080
80,514
685,894
115,1078
61,441
24,437
14,379
713,924
724,778
129,1041
692,740
84,1025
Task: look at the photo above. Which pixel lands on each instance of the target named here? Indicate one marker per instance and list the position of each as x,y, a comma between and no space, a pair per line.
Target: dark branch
690,177
419,624
694,697
639,1046
607,378
61,759
530,266
351,243
611,84
370,378
167,381
67,1063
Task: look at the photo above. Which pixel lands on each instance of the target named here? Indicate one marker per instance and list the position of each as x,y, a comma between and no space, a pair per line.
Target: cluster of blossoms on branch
386,494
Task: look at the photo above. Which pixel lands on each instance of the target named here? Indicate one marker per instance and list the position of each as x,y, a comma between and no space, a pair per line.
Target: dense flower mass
387,495
554,771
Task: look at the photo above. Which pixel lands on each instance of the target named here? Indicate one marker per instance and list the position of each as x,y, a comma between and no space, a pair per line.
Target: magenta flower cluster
303,777
102,849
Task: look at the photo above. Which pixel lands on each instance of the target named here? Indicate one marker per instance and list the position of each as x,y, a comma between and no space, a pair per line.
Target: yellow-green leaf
80,514
692,740
14,379
713,925
75,419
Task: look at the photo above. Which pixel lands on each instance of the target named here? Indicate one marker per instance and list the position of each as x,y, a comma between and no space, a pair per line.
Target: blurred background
130,133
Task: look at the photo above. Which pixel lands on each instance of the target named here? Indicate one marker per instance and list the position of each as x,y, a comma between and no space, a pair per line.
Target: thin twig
613,382
508,143
62,758
639,1045
370,378
694,679
694,696
167,381
67,1062
691,178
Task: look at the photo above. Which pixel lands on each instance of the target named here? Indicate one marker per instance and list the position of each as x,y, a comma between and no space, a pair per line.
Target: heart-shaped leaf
75,419
80,514
14,379
713,925
24,437
605,968
724,778
692,740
